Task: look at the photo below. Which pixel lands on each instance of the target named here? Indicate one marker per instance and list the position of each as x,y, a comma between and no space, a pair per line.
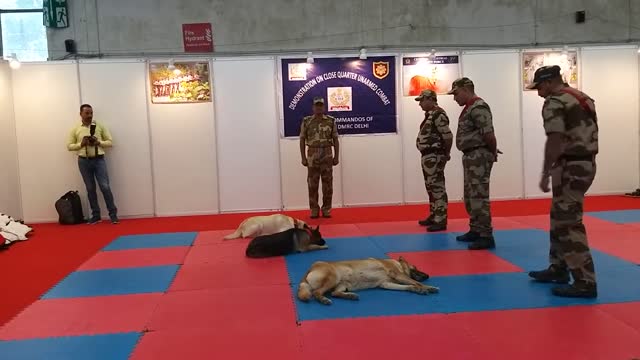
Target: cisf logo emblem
380,69
340,98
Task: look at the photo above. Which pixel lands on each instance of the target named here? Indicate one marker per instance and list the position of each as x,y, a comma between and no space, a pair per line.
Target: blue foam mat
527,249
152,241
617,216
114,282
95,347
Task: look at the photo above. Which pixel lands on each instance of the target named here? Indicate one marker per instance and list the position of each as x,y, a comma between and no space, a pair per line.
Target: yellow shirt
80,131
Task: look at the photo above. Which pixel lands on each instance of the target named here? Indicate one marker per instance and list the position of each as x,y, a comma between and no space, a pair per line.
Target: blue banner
360,94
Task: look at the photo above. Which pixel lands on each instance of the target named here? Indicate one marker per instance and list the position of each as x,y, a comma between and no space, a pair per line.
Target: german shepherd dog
265,225
286,242
344,277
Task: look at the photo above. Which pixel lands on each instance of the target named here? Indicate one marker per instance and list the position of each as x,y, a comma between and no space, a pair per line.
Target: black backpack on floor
69,208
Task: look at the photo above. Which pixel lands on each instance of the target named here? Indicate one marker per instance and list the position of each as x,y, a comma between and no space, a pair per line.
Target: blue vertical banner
360,94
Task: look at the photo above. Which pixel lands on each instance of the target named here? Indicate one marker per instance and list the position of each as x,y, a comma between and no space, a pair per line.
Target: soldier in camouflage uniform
476,139
319,132
434,142
570,122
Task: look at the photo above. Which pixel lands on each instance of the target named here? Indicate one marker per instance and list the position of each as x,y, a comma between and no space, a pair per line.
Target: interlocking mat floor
191,295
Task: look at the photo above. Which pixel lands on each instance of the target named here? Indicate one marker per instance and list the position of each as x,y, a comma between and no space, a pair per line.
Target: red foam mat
136,258
623,244
211,309
457,262
629,313
581,332
82,316
260,340
244,272
228,252
410,337
214,237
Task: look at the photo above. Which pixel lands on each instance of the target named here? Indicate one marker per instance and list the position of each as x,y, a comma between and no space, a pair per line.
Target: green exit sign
55,13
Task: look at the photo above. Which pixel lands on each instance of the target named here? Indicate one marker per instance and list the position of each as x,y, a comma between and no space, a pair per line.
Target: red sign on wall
197,37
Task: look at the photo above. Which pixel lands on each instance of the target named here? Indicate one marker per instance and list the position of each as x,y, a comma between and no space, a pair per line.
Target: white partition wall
9,185
412,116
247,134
372,170
294,177
610,76
115,91
183,151
46,105
227,155
496,76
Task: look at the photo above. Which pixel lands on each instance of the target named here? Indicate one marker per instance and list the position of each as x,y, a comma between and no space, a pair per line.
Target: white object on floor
11,230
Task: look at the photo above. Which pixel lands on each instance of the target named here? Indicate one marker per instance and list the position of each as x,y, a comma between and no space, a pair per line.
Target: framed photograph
568,62
180,82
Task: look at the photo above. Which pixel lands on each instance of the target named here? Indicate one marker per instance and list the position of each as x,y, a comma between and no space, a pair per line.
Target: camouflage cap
318,100
544,73
458,83
427,94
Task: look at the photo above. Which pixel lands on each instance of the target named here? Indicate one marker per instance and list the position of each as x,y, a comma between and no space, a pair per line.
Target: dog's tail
236,234
304,289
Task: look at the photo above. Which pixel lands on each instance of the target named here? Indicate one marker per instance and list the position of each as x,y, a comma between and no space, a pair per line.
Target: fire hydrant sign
197,37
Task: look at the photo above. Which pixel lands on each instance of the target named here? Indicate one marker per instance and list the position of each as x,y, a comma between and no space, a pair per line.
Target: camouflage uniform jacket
319,133
475,121
434,129
575,117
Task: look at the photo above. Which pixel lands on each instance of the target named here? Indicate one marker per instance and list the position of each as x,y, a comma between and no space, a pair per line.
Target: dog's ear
402,260
318,228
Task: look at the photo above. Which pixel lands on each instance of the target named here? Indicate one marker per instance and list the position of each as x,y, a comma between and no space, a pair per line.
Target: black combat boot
437,227
426,222
553,274
482,243
579,289
471,236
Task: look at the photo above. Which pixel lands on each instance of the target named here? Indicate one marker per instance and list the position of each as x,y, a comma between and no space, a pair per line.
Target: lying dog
286,242
266,225
344,277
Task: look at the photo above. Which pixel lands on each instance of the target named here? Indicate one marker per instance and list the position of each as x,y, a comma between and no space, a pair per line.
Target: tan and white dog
266,225
342,278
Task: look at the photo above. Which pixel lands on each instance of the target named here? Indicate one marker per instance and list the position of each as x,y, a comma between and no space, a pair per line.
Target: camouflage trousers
433,172
320,166
569,247
477,165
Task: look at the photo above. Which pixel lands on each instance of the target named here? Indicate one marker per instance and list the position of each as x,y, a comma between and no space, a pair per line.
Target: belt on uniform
434,151
590,157
91,158
466,151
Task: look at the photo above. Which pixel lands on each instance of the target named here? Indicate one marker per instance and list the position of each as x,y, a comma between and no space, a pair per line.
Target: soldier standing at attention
319,133
570,122
434,143
476,139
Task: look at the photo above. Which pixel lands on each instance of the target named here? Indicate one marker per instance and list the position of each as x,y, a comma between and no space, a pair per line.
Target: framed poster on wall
360,94
568,62
435,73
180,82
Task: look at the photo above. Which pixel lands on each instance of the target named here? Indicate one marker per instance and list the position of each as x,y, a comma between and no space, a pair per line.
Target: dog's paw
351,296
325,301
433,289
422,290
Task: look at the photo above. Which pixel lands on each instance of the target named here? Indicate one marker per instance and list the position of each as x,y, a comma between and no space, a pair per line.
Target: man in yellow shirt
89,139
